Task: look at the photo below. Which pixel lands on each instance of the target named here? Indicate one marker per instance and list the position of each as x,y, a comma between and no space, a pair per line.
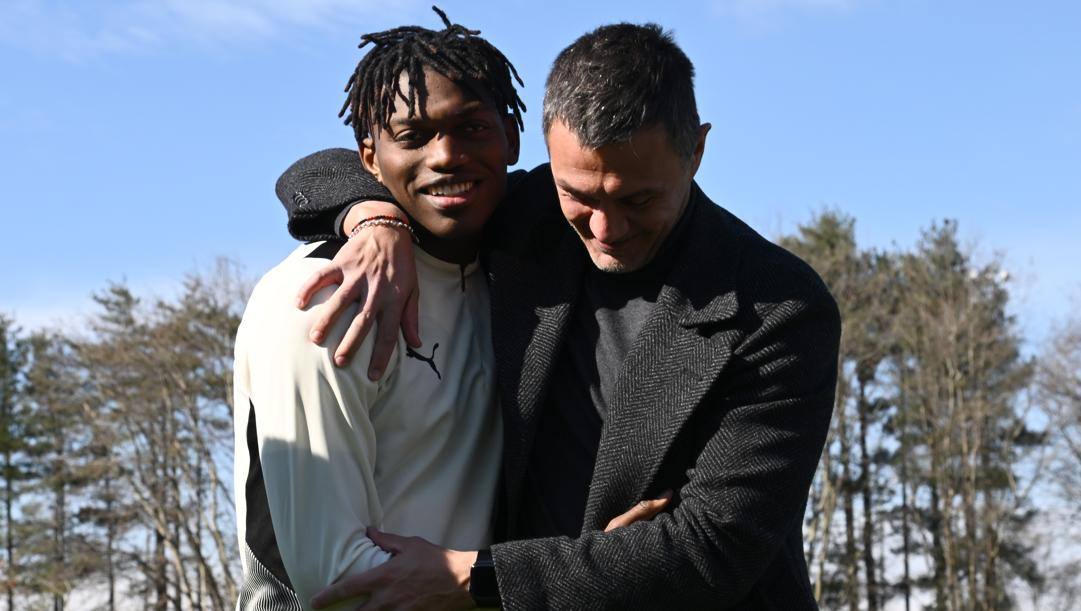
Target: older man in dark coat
646,341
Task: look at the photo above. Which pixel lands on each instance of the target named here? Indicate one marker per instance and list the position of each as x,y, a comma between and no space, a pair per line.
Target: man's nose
607,224
446,152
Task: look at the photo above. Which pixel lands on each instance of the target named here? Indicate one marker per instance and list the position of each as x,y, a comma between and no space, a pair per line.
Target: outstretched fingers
330,274
378,271
386,338
354,337
329,311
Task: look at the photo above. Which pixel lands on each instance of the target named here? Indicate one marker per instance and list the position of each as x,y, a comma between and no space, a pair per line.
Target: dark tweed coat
726,398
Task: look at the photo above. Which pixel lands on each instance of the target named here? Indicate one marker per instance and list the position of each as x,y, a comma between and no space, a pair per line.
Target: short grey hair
619,78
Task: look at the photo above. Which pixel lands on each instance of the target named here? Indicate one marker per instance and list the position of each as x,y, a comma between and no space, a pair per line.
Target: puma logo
427,359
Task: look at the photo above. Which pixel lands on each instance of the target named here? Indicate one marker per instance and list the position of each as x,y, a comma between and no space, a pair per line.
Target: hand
377,270
642,510
420,575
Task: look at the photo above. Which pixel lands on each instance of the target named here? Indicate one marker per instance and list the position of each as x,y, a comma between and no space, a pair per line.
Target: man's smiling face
622,199
446,165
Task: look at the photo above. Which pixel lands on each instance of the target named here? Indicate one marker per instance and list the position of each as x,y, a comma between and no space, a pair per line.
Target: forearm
317,188
689,559
708,553
741,506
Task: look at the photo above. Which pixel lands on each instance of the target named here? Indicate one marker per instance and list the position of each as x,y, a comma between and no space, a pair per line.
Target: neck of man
460,251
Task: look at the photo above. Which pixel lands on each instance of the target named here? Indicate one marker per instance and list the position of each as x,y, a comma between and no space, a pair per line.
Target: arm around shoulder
316,189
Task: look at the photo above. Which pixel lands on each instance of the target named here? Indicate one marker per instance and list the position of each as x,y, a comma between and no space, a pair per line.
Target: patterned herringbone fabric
316,188
260,590
725,398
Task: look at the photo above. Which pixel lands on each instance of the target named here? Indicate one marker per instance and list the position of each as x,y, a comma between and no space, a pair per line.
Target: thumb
388,542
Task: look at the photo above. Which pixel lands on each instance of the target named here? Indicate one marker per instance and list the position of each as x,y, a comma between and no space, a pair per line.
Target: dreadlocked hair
456,52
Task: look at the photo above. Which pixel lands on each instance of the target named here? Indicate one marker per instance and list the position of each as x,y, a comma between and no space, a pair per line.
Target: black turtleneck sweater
608,314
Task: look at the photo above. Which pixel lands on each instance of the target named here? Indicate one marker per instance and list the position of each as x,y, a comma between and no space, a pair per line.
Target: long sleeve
315,439
317,188
742,503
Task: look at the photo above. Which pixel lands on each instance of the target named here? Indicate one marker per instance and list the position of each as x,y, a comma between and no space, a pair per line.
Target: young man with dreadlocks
323,452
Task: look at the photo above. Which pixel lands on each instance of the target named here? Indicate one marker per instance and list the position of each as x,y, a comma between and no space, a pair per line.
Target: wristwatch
483,586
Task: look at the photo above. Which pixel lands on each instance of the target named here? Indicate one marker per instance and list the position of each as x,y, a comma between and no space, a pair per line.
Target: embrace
622,393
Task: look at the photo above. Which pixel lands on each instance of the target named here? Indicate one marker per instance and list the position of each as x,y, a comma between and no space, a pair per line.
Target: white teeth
454,189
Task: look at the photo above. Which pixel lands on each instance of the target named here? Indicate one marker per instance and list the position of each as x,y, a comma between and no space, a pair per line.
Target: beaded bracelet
383,221
376,217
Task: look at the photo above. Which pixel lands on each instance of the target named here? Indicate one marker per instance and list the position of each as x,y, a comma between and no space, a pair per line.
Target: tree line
948,481
117,448
952,451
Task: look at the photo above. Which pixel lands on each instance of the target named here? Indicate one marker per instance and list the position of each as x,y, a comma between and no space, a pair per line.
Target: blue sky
141,139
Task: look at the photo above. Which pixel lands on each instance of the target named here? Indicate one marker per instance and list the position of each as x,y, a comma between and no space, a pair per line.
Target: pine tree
850,475
12,447
59,553
960,362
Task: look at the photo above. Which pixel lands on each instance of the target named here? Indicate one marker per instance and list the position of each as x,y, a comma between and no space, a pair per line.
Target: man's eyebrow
469,108
646,192
406,121
586,197
575,193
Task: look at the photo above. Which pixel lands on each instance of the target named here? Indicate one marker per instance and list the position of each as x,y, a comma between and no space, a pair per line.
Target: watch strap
483,586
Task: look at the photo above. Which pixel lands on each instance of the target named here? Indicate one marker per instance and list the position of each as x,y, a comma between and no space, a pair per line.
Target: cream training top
323,452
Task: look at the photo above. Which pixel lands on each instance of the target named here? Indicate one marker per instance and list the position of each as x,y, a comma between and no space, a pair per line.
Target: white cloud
76,31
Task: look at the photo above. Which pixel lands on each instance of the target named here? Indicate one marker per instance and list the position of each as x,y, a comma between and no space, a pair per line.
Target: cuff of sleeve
340,219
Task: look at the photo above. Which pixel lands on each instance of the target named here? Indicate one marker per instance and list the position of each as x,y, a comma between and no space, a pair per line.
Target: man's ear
510,127
699,147
368,158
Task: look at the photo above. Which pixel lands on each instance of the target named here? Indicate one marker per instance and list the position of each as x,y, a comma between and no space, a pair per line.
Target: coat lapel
531,303
680,351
